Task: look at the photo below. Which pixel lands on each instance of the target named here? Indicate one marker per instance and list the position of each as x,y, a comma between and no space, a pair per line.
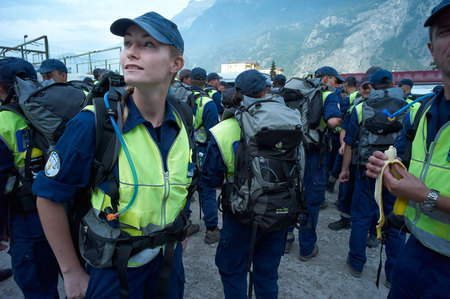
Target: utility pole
24,45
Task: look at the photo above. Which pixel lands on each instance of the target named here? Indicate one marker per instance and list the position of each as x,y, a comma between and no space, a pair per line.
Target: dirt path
325,276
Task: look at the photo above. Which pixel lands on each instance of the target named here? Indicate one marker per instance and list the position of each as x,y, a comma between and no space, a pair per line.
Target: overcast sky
76,26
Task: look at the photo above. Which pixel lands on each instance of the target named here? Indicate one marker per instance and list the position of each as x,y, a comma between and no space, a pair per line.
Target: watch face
430,203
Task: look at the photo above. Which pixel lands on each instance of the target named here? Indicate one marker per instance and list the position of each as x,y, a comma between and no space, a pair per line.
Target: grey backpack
266,191
180,91
305,95
47,108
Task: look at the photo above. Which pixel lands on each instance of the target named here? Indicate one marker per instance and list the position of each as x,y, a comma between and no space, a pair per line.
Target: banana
400,203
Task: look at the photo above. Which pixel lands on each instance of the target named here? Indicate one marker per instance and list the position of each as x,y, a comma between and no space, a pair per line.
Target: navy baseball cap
364,81
212,76
95,72
380,77
250,82
10,67
223,83
372,69
329,71
198,74
406,82
51,64
184,73
280,79
436,11
352,80
160,28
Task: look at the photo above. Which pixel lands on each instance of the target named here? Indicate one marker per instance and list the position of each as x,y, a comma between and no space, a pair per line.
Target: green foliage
272,70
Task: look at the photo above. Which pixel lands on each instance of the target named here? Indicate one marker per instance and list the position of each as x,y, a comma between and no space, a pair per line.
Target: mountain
303,35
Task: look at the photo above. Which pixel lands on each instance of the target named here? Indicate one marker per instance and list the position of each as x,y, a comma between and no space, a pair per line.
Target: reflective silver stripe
431,241
439,166
437,215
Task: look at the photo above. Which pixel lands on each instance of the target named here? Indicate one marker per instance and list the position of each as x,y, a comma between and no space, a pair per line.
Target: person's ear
430,47
177,64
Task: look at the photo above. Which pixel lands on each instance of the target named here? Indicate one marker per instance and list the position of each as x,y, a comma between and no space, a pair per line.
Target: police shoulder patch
53,165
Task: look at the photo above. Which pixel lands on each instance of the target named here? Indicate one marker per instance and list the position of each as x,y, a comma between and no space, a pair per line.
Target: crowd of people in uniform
156,158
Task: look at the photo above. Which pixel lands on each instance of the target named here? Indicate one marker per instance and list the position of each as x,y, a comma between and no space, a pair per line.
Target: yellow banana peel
400,203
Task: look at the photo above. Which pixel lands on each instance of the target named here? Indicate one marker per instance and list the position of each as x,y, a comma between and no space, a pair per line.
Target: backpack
46,108
267,182
180,91
266,192
305,95
376,131
81,84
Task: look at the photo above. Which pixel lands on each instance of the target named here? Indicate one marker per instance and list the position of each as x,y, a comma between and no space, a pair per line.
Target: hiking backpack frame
266,193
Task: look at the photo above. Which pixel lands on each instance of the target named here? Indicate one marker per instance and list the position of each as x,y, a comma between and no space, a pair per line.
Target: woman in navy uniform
158,146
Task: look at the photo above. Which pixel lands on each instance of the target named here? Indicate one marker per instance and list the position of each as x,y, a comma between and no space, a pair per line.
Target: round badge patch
53,164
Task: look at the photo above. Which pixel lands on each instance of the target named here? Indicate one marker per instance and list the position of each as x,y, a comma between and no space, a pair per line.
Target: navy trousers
315,181
364,209
34,265
232,257
420,273
142,281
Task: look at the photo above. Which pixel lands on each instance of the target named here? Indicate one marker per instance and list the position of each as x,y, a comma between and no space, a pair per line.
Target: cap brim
430,20
44,70
120,27
340,80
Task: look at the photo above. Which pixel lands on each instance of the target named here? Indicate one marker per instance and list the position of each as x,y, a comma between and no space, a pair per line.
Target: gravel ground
325,276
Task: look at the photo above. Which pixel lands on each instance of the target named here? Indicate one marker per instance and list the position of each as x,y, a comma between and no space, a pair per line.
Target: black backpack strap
186,115
411,133
107,144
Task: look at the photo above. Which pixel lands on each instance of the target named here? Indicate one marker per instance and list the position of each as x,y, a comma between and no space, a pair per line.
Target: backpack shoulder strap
411,133
107,144
13,107
184,111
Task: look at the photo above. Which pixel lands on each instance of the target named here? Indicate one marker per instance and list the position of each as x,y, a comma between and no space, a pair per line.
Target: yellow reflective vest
226,134
200,131
162,190
432,166
14,134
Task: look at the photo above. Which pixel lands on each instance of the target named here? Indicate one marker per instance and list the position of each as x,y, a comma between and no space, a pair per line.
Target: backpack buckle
111,112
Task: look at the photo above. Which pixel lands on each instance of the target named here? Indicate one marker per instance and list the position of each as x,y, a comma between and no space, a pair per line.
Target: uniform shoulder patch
53,165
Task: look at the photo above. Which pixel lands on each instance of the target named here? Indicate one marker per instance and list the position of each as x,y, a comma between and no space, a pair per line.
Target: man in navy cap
315,177
406,85
212,89
53,69
34,265
223,85
422,269
359,141
279,81
206,117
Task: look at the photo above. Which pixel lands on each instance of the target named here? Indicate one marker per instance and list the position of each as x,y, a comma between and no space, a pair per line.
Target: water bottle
36,161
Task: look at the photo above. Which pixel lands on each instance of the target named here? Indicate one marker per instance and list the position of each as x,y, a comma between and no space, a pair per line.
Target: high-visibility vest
200,131
432,166
226,134
162,190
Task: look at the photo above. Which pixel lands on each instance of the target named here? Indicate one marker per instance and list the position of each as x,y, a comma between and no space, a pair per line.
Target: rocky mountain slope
302,35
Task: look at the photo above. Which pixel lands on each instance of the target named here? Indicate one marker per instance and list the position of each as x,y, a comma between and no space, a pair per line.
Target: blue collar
135,118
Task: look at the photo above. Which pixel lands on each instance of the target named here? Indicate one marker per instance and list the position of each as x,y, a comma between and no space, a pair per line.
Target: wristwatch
429,204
